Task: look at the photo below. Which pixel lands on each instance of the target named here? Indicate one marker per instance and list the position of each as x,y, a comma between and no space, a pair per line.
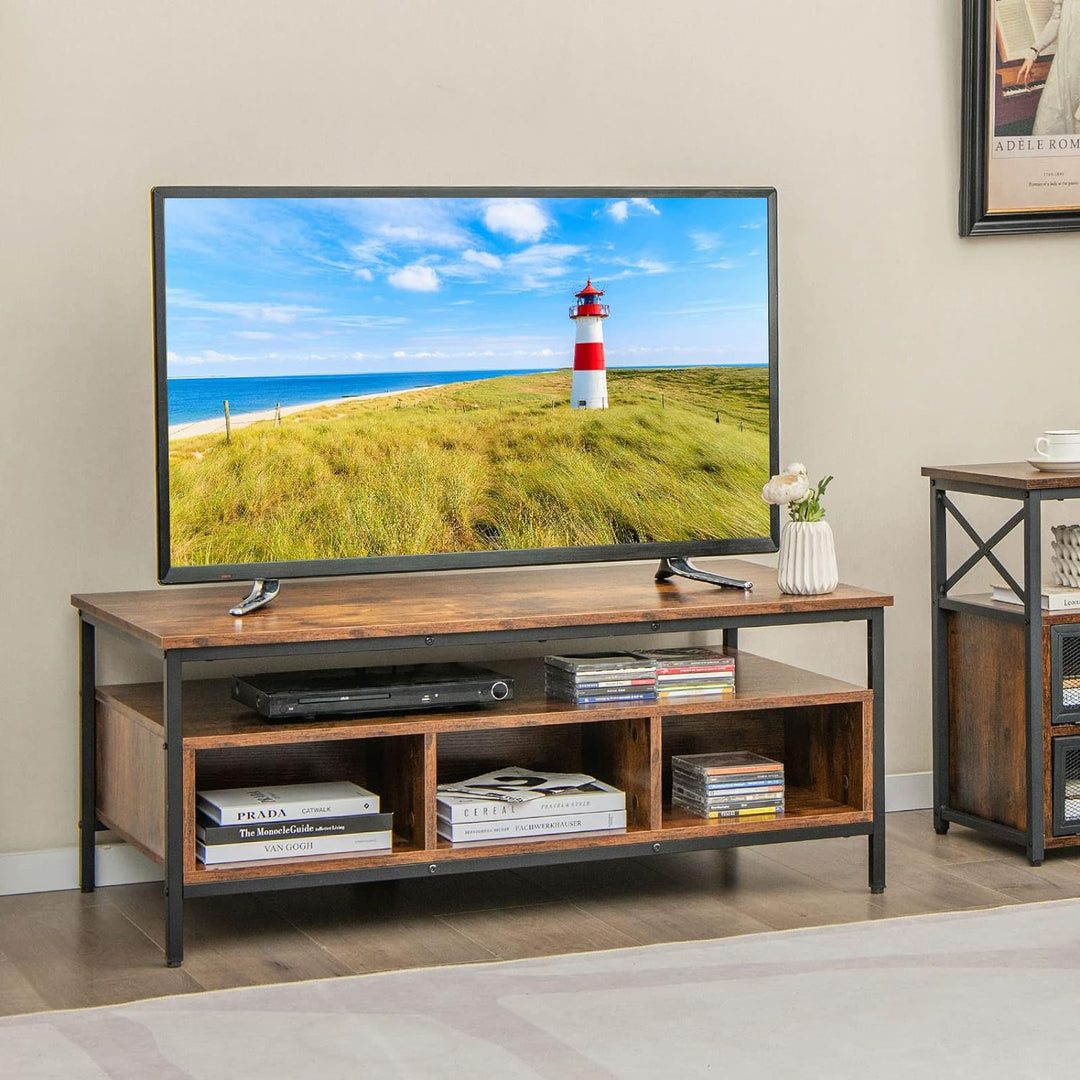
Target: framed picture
1020,156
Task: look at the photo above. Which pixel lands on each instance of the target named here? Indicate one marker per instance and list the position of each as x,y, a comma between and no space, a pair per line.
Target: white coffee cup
1059,445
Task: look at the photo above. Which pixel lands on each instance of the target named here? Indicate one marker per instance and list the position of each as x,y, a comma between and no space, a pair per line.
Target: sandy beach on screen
239,420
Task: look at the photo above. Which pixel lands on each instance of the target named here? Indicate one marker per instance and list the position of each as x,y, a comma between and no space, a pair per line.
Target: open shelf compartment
825,750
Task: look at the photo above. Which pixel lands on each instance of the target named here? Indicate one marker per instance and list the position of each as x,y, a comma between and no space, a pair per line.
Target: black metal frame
978,70
173,662
169,574
1030,614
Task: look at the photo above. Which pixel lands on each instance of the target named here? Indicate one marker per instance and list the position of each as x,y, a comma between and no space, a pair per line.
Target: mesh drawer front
1066,766
1070,671
1070,784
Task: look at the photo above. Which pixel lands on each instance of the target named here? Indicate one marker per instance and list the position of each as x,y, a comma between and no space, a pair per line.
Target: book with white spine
515,792
519,828
1053,597
285,802
297,848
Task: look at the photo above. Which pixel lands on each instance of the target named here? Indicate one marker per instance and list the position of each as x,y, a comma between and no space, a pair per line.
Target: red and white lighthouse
588,388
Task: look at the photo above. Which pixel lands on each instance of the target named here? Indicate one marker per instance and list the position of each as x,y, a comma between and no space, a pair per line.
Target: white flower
789,487
797,467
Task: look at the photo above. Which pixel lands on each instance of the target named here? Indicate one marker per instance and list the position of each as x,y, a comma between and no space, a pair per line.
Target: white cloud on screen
210,356
706,241
482,258
415,278
540,264
429,233
520,219
370,322
638,266
253,311
621,209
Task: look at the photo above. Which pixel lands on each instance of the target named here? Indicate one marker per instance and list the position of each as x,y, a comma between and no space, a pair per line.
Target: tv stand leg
677,566
88,757
262,592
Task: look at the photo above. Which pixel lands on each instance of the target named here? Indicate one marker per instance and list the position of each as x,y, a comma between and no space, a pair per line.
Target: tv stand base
677,566
262,592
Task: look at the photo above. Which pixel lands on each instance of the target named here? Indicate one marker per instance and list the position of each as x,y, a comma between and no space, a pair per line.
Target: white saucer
1046,465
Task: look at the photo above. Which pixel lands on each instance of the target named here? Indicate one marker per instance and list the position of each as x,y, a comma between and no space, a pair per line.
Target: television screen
357,379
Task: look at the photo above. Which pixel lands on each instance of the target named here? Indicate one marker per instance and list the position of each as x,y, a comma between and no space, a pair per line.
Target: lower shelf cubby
392,767
825,750
616,751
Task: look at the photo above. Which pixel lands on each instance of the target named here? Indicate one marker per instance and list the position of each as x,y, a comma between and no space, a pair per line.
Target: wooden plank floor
68,950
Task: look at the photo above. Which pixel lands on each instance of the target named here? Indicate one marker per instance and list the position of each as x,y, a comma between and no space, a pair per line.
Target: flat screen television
356,380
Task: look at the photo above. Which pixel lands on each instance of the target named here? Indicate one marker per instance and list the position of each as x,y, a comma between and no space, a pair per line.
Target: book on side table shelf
515,803
289,821
1054,597
734,784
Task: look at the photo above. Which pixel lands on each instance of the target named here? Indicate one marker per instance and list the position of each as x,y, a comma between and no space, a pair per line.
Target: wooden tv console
146,748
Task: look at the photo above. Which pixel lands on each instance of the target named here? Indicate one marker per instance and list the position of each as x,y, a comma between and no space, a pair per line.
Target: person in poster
1058,112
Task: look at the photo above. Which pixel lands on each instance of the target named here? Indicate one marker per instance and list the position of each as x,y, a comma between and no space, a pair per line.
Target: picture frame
1020,158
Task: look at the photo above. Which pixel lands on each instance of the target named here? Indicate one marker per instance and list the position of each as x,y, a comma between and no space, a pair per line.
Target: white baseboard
50,871
120,864
909,791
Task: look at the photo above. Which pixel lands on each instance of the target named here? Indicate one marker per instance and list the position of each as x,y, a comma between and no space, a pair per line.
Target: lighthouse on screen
588,388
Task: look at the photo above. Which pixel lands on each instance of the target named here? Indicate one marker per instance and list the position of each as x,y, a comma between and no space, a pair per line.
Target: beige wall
901,344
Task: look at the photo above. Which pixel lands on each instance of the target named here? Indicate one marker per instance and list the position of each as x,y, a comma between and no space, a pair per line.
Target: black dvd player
290,695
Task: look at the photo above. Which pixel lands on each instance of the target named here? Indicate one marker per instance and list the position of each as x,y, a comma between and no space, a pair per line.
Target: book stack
288,822
735,784
691,672
516,803
593,677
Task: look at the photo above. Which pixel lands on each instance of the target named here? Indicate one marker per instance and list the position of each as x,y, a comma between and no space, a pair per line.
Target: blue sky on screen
259,286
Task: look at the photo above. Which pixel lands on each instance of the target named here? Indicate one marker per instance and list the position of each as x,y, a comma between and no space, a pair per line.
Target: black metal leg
87,756
939,658
174,813
875,664
731,638
1033,696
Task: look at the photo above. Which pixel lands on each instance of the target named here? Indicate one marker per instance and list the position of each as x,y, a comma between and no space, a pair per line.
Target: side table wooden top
1006,474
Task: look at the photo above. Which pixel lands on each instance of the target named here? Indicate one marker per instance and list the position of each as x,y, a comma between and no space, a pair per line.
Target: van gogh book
211,854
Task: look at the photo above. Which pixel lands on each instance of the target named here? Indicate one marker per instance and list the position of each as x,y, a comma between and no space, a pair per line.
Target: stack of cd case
735,784
600,677
691,672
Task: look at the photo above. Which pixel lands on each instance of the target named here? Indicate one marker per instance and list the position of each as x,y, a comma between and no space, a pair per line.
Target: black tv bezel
179,575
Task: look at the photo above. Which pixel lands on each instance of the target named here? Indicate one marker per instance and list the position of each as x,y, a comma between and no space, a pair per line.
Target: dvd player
289,695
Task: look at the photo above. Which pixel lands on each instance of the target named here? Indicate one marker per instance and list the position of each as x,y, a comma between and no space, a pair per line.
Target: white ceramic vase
806,565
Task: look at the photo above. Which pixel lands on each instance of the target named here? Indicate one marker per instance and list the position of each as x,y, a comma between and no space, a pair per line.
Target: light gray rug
980,994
